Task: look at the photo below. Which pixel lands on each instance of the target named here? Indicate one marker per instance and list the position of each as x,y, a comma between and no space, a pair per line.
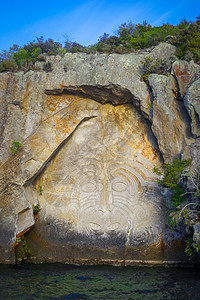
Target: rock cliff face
91,132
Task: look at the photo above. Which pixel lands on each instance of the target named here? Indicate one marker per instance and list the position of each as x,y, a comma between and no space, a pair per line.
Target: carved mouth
98,228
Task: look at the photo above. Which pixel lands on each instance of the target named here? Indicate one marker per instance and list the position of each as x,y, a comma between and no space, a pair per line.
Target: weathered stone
192,104
16,217
163,51
87,155
185,73
170,122
100,186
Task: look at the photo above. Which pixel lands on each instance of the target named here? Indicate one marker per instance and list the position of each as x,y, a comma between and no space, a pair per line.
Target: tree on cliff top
129,37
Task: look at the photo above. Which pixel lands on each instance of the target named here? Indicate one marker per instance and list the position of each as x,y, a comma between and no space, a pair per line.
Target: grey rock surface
91,132
192,104
185,73
170,121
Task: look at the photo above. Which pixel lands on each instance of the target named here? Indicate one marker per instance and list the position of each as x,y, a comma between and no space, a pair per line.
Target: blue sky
84,21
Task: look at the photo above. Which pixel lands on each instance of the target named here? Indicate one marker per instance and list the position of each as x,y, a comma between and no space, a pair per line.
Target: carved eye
119,186
114,226
95,226
89,187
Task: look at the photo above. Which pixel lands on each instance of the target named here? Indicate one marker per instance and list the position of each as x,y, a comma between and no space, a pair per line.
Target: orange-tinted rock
184,72
88,150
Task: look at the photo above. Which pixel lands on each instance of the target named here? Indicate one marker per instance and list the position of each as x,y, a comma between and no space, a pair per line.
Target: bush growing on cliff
24,58
7,62
129,37
8,65
15,147
188,42
151,65
138,36
184,185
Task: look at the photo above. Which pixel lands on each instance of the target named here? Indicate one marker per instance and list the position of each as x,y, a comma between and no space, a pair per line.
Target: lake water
55,281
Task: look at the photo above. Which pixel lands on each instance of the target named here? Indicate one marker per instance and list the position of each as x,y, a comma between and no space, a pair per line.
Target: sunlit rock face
91,132
100,189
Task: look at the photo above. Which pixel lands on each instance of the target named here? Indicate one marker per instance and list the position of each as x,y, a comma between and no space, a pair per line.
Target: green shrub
184,186
129,37
189,41
132,37
191,247
15,147
8,65
41,190
25,59
151,65
18,239
75,47
61,51
172,173
36,208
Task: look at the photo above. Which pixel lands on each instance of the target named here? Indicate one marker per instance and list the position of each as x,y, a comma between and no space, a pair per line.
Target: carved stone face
106,196
109,198
101,183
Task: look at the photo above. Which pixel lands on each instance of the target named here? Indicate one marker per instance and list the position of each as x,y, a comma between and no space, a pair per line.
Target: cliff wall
91,132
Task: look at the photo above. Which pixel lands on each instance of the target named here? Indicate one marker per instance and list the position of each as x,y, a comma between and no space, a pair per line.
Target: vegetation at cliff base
183,183
129,37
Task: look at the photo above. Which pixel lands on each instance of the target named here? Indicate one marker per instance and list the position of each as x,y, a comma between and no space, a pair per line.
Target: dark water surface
55,281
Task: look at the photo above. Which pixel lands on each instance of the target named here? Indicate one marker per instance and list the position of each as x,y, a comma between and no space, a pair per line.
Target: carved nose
105,198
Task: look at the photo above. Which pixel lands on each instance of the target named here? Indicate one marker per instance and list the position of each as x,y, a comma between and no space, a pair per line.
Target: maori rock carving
102,182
